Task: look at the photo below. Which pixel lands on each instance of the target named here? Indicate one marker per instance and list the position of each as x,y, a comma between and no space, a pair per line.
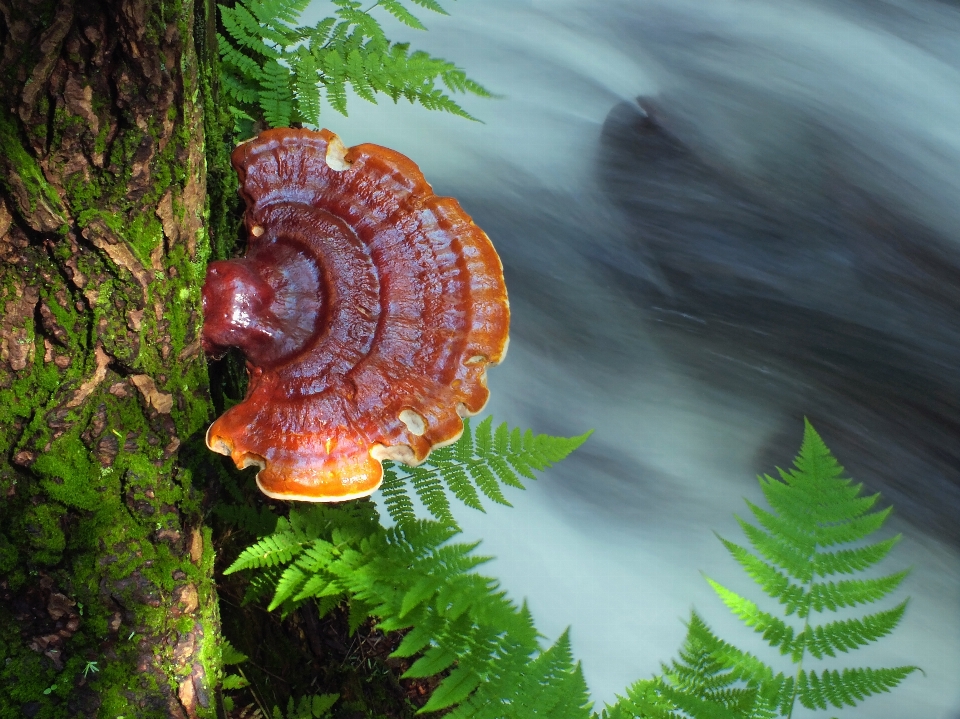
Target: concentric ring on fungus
367,307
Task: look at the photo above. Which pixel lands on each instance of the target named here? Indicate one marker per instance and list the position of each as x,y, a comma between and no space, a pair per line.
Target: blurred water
771,231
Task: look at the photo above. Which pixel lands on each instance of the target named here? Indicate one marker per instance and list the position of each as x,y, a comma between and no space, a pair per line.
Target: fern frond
813,507
430,490
397,9
847,687
851,561
798,561
292,579
305,77
431,5
283,71
276,94
851,592
775,631
271,551
776,584
395,497
242,33
411,575
231,655
847,634
479,462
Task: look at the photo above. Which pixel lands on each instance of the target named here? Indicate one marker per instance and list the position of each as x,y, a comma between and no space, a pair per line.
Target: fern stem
806,626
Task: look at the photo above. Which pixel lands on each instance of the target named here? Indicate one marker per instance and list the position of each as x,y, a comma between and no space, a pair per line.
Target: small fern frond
851,592
478,463
305,77
432,5
231,655
292,579
796,559
847,687
776,584
430,490
396,8
644,698
847,634
742,665
395,497
851,561
271,551
775,631
276,94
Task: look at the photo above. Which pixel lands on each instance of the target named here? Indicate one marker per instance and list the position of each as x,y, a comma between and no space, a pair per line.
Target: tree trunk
107,604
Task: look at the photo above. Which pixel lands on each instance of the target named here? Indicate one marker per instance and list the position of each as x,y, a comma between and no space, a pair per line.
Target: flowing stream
716,219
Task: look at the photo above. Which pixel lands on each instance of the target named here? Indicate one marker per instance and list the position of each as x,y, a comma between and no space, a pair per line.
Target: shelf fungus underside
368,310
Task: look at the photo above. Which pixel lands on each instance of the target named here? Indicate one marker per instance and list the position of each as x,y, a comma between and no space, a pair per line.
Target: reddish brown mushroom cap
368,309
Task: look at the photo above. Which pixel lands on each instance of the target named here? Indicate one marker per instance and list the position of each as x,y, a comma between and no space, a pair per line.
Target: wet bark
107,605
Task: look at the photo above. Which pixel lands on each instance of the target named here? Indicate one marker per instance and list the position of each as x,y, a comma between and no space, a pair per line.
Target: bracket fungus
368,310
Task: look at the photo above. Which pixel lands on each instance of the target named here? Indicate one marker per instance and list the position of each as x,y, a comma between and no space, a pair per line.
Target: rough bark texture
107,606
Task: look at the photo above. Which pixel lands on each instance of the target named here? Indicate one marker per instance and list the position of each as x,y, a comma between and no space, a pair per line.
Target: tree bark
107,604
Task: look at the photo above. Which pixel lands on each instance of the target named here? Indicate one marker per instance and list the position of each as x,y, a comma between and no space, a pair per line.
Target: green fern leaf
849,633
849,593
281,70
356,71
434,661
814,507
231,655
840,688
504,472
397,9
501,439
458,482
850,561
463,449
452,690
317,586
292,579
305,74
234,681
474,463
395,496
276,95
483,437
278,548
776,584
774,630
414,641
799,562
431,5
419,593
430,490
233,20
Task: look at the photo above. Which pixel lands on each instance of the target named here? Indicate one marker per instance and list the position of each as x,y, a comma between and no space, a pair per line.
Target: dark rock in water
826,303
